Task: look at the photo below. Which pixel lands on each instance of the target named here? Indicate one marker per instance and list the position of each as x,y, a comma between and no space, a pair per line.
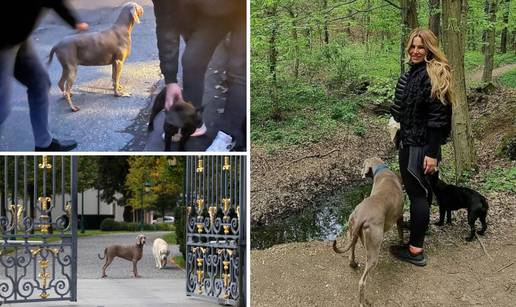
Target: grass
508,79
170,238
179,261
500,180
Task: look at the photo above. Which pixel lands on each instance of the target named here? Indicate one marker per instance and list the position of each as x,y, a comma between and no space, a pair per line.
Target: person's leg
419,205
419,215
7,60
234,117
198,52
31,73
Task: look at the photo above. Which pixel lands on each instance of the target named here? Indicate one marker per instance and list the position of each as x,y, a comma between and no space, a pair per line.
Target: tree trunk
484,32
434,19
325,25
409,19
454,25
296,42
273,59
487,75
504,35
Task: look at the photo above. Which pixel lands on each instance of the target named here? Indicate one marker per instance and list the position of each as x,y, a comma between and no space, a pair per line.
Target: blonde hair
436,64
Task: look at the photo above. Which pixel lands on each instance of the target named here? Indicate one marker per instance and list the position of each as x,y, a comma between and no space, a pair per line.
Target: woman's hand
82,26
429,165
173,94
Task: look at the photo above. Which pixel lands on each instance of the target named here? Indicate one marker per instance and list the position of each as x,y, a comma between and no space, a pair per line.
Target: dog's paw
75,108
439,223
481,232
353,264
469,239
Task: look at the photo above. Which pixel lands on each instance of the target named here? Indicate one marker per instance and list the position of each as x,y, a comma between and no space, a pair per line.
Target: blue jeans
22,62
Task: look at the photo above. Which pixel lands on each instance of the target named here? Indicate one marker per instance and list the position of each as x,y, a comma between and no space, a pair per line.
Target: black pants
419,192
200,45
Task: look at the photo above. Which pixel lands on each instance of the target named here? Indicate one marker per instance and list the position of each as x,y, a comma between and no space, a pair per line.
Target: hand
429,165
82,26
173,94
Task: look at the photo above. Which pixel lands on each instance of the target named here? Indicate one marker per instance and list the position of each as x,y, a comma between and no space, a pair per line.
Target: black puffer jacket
424,120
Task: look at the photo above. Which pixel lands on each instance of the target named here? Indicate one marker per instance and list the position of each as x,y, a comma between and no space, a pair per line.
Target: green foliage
180,220
170,238
508,79
501,180
381,90
109,224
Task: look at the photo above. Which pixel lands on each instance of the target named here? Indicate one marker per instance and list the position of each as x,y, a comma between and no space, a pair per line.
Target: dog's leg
373,240
482,217
135,269
442,213
117,72
108,262
471,221
399,225
185,135
72,74
448,217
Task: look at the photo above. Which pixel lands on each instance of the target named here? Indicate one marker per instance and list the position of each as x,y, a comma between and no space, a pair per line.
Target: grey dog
132,253
109,47
374,216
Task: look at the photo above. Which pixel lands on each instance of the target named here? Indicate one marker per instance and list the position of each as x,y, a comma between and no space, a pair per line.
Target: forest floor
311,274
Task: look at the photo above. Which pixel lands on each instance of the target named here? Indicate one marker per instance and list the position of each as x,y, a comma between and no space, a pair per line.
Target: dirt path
477,76
458,273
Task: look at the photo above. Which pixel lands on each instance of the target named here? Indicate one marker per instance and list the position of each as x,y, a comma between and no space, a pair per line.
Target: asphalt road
90,266
105,122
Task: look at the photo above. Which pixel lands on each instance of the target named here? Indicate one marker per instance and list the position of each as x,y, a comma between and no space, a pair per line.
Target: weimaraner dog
109,47
374,216
132,253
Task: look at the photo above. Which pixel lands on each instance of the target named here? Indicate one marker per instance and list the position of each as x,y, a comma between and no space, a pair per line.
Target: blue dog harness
379,168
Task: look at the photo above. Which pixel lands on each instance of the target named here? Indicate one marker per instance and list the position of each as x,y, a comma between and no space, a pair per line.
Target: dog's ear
134,13
367,170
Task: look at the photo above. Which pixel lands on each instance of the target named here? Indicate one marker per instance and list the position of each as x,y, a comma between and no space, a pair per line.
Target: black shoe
403,253
57,145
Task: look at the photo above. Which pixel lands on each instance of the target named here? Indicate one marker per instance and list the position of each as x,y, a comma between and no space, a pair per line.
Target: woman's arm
437,120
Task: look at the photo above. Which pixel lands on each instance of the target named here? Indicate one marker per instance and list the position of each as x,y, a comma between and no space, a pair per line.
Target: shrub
107,224
180,220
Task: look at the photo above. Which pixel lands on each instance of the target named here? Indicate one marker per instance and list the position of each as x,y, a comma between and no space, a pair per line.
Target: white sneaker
221,143
199,131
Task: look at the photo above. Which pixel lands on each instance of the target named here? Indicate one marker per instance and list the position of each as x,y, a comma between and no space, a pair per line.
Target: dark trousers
200,45
23,62
419,192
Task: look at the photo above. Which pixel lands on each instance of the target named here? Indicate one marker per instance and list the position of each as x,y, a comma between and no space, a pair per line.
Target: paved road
89,265
105,122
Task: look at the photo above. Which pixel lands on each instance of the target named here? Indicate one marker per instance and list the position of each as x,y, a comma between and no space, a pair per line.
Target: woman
423,109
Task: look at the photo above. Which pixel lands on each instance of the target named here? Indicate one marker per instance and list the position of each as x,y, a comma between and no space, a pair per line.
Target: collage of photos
258,153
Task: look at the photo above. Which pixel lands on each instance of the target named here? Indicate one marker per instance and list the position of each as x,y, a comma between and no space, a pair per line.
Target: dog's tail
105,251
353,236
51,55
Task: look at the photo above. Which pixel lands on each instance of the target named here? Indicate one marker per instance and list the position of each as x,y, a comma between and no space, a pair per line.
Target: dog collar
379,169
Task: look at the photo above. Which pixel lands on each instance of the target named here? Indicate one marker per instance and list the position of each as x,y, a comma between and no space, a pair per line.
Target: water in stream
325,221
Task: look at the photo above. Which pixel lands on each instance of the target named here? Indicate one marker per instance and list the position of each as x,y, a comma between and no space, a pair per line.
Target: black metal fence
215,196
38,220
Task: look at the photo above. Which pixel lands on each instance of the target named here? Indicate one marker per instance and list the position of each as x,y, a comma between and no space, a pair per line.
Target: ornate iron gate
38,220
215,196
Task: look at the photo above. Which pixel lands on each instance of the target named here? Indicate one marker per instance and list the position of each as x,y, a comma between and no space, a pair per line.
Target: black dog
450,197
182,118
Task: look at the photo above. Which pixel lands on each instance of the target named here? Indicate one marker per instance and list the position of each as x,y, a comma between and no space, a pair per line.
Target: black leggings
420,199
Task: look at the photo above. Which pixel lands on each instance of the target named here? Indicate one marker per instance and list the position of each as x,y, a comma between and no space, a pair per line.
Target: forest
314,64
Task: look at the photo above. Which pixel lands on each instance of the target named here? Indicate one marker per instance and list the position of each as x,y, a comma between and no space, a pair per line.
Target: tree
434,19
454,23
504,34
489,50
409,20
112,172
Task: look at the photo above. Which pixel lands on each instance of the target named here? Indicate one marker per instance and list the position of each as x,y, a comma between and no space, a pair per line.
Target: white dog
160,252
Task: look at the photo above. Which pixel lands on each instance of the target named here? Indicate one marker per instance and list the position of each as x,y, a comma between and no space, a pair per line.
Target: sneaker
56,145
222,142
403,253
199,131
